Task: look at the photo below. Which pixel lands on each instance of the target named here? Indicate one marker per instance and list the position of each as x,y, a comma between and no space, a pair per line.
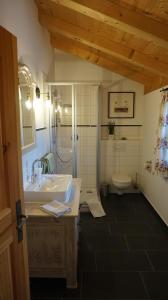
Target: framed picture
121,104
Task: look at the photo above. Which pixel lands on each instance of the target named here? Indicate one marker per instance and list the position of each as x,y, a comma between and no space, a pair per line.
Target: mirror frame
28,81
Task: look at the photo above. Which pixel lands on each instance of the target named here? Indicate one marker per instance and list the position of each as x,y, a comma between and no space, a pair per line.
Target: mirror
26,96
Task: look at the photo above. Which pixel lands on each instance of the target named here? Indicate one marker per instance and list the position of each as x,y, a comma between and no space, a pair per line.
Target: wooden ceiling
128,37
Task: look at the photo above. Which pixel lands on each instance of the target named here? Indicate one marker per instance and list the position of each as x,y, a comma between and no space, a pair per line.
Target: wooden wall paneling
134,18
103,44
112,34
101,59
102,41
111,14
155,84
157,10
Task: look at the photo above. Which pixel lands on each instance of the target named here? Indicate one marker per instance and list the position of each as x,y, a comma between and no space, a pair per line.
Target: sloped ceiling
129,37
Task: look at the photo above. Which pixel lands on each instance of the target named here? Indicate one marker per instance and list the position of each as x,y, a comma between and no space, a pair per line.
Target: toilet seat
120,178
121,181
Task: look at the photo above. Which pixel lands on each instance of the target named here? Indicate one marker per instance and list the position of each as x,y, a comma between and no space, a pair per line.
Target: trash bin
104,189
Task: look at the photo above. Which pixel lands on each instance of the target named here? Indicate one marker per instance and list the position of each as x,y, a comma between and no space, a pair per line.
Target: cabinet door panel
46,246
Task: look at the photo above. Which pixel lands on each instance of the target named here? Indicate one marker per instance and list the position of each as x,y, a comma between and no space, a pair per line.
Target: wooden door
14,277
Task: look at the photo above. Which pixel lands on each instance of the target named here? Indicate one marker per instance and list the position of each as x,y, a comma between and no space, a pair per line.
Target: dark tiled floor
121,256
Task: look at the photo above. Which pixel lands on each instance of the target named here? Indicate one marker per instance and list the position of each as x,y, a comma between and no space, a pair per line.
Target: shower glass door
74,131
63,128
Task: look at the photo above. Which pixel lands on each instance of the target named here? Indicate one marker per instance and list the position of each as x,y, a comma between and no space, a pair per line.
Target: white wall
128,159
87,115
155,188
70,68
21,19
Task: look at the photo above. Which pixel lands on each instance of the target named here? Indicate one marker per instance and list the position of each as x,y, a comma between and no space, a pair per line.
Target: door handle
77,137
21,220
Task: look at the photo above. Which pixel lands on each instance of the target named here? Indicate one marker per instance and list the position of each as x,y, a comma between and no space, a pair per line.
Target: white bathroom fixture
51,187
121,182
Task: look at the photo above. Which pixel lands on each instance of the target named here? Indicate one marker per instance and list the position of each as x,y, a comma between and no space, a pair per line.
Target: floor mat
90,198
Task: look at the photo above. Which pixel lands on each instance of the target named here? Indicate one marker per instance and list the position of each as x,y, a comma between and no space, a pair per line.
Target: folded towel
48,163
55,208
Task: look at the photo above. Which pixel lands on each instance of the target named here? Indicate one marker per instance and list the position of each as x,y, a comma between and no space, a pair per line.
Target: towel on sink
48,163
55,208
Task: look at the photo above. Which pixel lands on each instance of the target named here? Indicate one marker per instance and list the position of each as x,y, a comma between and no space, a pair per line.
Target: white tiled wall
87,110
119,156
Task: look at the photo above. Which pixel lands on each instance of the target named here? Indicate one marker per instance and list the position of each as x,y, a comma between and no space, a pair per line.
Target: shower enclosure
74,130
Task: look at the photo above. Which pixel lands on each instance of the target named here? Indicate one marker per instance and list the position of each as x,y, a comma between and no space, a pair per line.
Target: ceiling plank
100,59
154,85
103,44
115,16
104,30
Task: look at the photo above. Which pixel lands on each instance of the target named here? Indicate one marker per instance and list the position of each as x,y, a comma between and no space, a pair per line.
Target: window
161,149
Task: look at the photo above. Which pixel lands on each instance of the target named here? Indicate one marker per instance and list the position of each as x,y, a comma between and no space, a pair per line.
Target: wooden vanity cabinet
52,248
53,242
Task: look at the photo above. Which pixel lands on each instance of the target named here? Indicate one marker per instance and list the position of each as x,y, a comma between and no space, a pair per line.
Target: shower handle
77,137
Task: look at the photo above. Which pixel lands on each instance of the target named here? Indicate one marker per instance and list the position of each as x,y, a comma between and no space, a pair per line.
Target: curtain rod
164,89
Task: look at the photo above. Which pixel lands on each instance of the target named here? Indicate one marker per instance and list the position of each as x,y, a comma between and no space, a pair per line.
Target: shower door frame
74,151
74,124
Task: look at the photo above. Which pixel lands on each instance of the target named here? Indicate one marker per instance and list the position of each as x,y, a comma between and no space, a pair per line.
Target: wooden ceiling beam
97,57
154,85
98,42
123,19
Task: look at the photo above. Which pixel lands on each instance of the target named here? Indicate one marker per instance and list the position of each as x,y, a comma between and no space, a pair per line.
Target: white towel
55,208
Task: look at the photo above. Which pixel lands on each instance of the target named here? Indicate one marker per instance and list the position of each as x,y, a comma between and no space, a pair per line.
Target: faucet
33,177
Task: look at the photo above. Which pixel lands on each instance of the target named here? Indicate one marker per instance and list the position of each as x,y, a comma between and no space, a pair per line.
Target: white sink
51,187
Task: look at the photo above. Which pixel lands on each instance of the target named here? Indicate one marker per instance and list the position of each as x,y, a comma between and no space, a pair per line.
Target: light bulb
48,104
37,103
28,104
66,110
59,108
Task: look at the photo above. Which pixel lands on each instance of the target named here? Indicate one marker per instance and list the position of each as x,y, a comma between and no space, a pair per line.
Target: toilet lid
121,178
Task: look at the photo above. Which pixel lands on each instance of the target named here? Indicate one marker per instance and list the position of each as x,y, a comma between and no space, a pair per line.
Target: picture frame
121,105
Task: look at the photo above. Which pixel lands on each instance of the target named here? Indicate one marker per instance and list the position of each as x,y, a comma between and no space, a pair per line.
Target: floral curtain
161,149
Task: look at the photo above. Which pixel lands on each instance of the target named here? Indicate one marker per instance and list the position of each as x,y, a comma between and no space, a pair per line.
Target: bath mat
90,197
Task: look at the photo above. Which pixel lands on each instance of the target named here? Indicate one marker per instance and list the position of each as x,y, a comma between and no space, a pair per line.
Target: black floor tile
122,261
96,242
95,228
86,261
118,203
137,217
159,260
123,255
130,229
48,298
147,242
87,218
117,211
52,289
156,284
159,229
112,285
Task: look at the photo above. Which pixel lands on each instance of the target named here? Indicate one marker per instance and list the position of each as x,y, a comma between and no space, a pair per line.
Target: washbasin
51,187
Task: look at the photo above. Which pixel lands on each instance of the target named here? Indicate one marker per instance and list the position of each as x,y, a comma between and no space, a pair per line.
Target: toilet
121,182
